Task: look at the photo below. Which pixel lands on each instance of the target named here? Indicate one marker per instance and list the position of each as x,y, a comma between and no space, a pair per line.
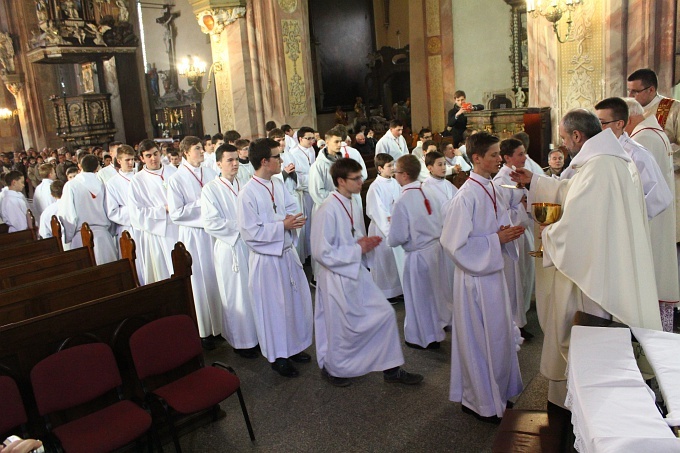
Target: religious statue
166,21
360,109
70,8
41,10
153,81
520,98
123,13
98,32
6,54
341,117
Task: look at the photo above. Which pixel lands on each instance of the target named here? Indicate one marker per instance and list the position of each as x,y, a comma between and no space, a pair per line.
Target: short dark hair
381,159
231,136
429,143
396,123
286,127
261,149
524,138
173,152
343,131
225,148
82,152
216,137
424,131
480,143
70,170
89,163
276,133
410,165
618,107
269,125
304,130
12,176
508,147
342,168
646,76
334,132
112,144
241,143
583,121
431,158
459,93
57,188
146,145
187,142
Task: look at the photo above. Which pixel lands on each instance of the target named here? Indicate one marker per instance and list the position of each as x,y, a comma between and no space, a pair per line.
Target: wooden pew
16,238
111,319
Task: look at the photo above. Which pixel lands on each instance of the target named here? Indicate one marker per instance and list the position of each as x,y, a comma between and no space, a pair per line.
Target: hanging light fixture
194,69
553,11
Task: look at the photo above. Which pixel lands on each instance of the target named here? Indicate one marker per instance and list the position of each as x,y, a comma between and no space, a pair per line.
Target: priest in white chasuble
148,209
604,267
268,217
184,208
218,214
356,328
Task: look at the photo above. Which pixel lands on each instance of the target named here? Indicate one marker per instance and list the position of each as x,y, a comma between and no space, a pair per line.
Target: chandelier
553,10
194,69
7,114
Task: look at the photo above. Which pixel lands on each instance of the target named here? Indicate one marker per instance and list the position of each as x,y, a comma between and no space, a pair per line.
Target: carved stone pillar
265,57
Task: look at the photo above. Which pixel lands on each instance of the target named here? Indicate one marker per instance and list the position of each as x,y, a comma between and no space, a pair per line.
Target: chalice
544,214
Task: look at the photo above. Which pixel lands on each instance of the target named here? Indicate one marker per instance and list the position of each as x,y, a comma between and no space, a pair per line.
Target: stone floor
306,414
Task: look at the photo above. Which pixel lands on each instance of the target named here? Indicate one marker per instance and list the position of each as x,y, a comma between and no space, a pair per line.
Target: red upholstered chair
167,344
79,375
12,412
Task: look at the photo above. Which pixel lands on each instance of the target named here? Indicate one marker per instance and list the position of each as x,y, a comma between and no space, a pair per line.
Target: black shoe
333,380
284,368
434,345
219,338
448,329
208,343
493,419
301,357
509,404
413,345
401,376
250,353
525,333
395,300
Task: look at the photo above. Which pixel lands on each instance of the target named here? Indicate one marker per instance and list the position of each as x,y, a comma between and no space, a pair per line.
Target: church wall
482,42
398,21
188,41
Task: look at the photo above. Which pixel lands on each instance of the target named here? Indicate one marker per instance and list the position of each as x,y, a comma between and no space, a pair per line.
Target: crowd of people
253,214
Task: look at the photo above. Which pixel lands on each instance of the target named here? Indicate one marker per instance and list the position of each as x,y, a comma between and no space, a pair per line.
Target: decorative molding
434,45
432,19
291,32
213,21
288,6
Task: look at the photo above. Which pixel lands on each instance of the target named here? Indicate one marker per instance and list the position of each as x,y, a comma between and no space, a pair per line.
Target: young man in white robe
148,210
218,214
41,196
14,206
84,200
267,216
209,158
348,152
110,171
184,208
245,168
442,189
416,226
484,366
519,273
356,329
617,278
117,199
393,142
45,227
303,156
388,262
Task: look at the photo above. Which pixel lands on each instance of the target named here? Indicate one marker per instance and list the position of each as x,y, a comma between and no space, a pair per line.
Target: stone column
262,62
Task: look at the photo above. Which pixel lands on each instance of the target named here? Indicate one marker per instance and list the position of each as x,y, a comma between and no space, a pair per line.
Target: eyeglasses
634,92
356,179
604,123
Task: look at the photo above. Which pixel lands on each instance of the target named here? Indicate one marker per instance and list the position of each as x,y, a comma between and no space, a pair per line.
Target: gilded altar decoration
84,119
434,45
292,42
288,6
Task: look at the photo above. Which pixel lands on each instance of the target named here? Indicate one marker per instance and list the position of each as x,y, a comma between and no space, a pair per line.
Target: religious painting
87,77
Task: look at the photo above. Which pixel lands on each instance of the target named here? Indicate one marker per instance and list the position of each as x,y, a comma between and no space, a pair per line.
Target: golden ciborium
545,214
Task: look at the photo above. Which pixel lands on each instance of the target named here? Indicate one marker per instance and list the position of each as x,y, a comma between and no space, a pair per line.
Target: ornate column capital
14,83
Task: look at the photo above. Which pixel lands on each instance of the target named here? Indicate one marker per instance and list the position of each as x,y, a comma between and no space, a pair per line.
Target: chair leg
245,414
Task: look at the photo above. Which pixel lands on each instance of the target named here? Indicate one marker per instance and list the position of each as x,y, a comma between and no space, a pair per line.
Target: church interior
83,73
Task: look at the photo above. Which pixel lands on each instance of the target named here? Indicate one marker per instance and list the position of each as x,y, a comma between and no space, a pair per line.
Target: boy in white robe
267,217
356,329
110,171
45,227
442,189
519,273
209,155
148,210
117,198
42,197
245,168
416,226
218,214
14,206
84,200
184,208
303,156
484,367
388,262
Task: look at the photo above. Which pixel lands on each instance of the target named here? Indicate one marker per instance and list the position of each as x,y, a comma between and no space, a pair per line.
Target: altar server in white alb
484,367
441,188
303,156
13,203
218,214
520,272
245,168
117,196
268,217
84,200
356,328
148,210
45,228
184,208
388,262
111,170
42,197
393,142
416,226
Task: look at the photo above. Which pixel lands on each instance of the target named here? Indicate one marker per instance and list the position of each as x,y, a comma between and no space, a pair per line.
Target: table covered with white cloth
613,410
